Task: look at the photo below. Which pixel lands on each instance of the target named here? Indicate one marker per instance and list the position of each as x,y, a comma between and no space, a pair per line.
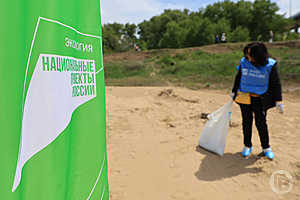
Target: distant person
217,39
256,89
271,36
284,37
137,48
223,38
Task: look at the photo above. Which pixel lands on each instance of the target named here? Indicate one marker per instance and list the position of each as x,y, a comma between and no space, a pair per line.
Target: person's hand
279,107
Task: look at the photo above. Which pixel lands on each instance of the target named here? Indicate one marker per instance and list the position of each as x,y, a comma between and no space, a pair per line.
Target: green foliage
263,13
199,32
166,60
241,15
280,36
240,34
181,56
194,67
289,62
125,69
153,31
200,64
119,37
241,21
292,36
222,26
173,36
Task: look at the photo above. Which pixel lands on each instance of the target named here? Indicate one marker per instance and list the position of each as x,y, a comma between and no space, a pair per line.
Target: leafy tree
193,27
153,31
119,37
111,37
173,36
240,34
241,21
241,15
129,36
130,30
222,26
292,36
263,13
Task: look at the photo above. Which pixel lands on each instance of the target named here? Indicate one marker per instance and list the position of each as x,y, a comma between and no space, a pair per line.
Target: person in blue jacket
257,77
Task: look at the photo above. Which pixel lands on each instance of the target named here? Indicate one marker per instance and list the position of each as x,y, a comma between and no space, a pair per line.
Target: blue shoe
246,151
269,153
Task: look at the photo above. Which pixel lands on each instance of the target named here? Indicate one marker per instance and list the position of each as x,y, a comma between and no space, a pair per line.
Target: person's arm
237,81
275,84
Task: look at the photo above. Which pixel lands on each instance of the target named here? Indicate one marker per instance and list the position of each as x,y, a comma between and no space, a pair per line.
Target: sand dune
152,138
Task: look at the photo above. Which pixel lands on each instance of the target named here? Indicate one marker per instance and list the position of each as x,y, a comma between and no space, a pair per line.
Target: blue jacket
273,92
255,79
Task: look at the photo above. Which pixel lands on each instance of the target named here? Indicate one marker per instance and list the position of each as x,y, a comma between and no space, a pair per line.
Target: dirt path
153,133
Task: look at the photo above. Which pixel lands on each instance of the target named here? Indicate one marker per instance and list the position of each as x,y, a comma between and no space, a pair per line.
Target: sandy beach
152,148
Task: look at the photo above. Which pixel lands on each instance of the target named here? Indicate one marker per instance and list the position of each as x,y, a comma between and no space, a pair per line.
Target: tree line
241,21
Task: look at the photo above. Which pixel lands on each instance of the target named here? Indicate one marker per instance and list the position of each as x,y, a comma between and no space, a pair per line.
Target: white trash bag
214,133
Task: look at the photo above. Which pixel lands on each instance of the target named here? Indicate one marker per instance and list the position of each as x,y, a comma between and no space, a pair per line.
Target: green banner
53,129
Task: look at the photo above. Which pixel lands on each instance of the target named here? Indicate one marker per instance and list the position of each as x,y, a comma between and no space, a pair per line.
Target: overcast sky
136,11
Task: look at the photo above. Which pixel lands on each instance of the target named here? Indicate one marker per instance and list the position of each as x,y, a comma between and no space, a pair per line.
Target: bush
181,56
125,69
292,36
240,34
166,61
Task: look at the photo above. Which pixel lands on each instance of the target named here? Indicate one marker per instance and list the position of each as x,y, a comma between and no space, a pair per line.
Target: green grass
194,68
119,70
289,62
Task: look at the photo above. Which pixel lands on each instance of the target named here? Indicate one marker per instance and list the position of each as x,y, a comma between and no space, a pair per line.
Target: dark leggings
260,121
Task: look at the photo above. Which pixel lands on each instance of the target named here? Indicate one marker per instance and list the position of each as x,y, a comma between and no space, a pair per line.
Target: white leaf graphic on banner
52,97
